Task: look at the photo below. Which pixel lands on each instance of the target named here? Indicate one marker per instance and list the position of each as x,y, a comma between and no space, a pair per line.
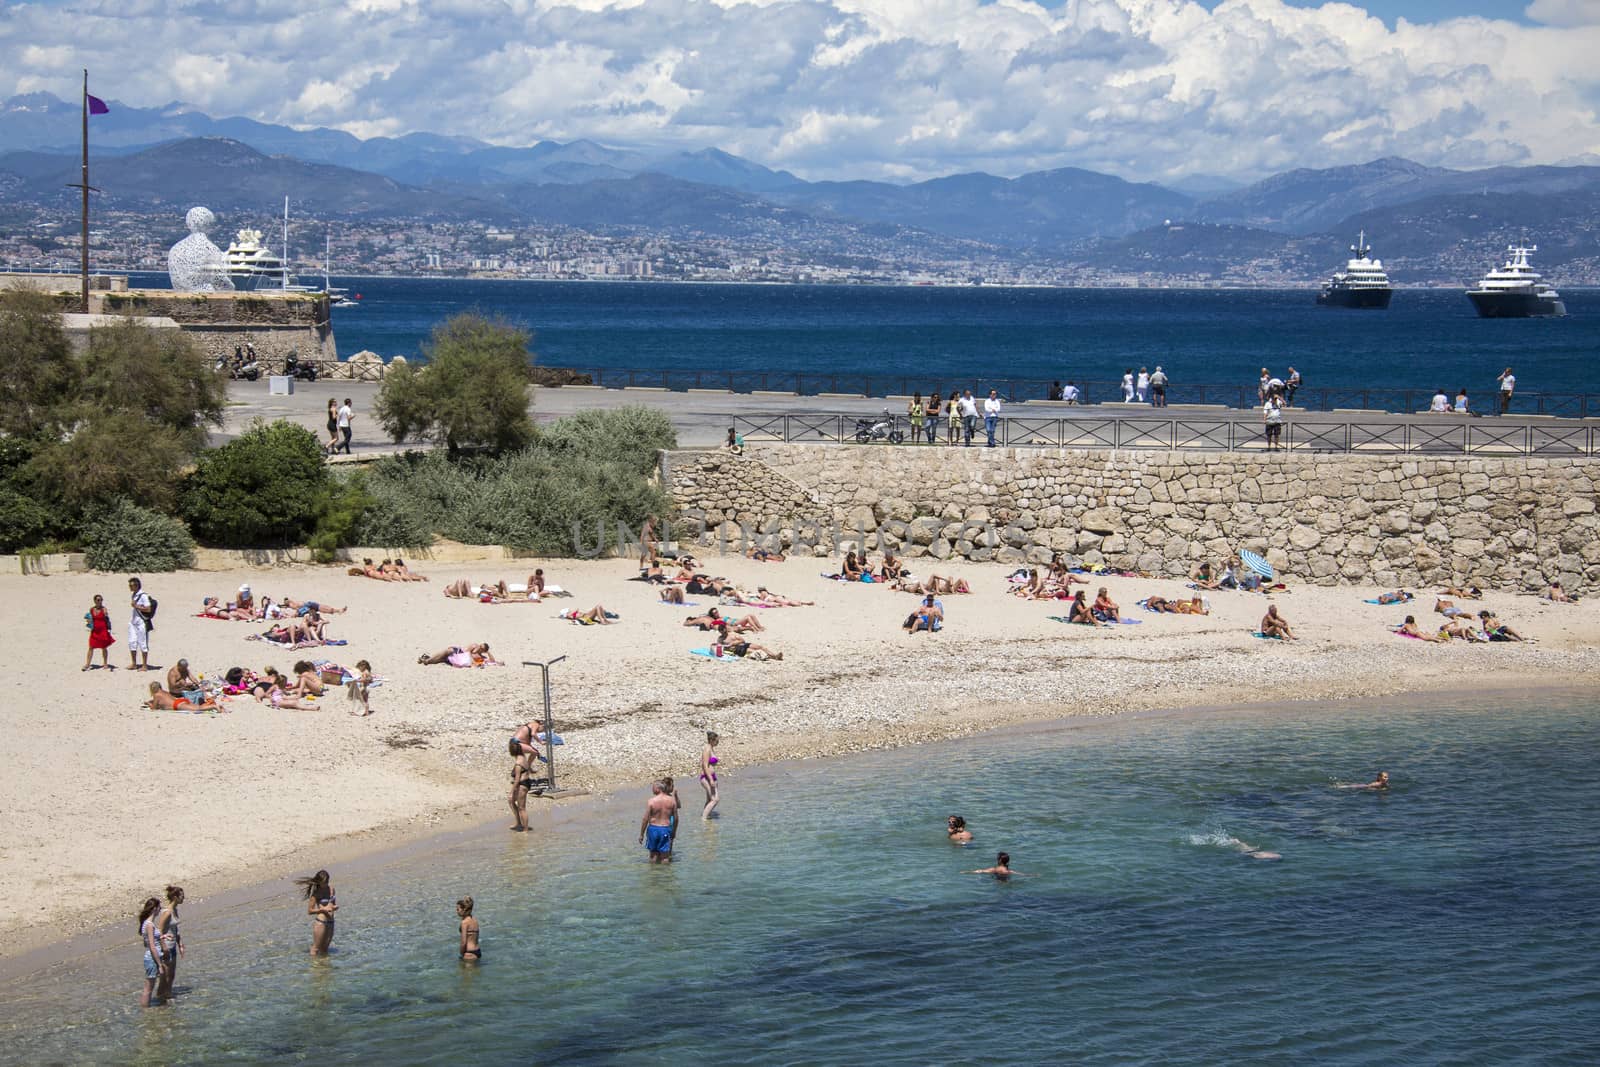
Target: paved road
702,418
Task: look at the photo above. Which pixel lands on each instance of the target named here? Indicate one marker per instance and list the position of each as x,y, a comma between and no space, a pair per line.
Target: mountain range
170,157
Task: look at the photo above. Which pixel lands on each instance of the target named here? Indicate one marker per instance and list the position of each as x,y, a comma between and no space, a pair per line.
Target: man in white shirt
969,416
991,415
345,415
1441,401
1069,393
1127,386
1508,384
139,626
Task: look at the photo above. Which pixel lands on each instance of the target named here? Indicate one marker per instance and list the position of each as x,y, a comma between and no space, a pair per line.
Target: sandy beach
108,801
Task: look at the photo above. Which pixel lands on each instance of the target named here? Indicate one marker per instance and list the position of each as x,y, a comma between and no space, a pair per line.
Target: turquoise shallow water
824,918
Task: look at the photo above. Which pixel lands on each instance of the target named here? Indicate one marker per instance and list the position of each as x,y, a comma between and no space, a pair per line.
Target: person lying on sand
653,573
369,569
291,633
595,616
1275,625
777,600
672,594
161,700
1449,610
1497,630
306,607
1105,609
1471,592
1409,628
472,656
935,584
712,620
406,574
705,584
1559,595
1399,596
283,696
1461,629
765,555
213,607
734,645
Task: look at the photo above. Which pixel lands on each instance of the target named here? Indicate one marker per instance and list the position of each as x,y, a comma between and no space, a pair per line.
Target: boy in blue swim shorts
655,829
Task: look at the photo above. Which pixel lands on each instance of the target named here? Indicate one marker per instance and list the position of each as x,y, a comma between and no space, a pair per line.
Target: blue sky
888,89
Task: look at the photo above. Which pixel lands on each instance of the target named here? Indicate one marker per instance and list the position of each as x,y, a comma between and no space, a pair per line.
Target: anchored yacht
1362,283
1516,290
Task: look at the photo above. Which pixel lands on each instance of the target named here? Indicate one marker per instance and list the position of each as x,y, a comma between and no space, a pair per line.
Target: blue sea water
824,919
916,338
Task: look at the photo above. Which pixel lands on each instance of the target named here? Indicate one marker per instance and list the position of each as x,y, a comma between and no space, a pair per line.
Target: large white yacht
1516,290
252,264
1362,283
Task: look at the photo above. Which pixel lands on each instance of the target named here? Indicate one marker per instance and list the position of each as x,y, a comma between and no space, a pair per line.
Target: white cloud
859,88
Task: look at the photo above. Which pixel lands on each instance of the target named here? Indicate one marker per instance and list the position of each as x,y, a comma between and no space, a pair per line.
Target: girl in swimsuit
171,941
154,967
470,949
98,622
321,903
708,774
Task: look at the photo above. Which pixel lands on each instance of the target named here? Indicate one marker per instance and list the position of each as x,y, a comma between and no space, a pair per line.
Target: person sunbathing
284,696
653,573
536,587
369,569
713,619
778,600
1409,628
595,616
685,571
1399,596
213,608
928,617
292,633
1082,613
161,700
1205,578
1105,608
472,656
1033,588
672,594
762,554
406,574
1471,592
1275,625
1559,595
705,584
892,567
1497,630
308,681
1449,610
1158,604
306,607
735,645
1462,630
460,589
1192,606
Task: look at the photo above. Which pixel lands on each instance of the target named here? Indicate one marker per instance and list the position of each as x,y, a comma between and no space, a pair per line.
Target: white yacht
1516,290
1362,284
252,264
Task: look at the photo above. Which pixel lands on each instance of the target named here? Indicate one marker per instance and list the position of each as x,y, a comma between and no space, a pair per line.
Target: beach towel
203,615
708,654
1390,604
1264,637
684,604
1068,621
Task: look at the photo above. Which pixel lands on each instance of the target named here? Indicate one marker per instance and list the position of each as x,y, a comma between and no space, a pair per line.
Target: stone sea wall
1508,523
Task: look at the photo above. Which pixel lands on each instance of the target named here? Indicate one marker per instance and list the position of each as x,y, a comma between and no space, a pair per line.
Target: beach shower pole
549,724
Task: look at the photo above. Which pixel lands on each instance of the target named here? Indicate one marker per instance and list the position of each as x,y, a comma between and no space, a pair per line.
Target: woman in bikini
595,616
708,774
150,940
405,572
472,656
321,903
778,600
308,681
171,940
1399,596
161,700
471,952
1409,628
98,622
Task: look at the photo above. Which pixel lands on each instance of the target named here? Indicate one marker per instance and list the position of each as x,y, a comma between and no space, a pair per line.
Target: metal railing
1013,390
1300,435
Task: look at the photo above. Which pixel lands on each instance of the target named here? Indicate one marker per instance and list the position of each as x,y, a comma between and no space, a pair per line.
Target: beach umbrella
1256,563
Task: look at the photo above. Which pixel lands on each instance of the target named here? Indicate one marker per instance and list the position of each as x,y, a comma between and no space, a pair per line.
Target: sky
882,89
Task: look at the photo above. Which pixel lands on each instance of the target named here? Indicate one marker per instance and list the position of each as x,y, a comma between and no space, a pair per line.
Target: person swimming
1380,782
956,830
1001,869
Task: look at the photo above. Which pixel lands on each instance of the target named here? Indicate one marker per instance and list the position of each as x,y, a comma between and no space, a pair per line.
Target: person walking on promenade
1291,385
344,417
932,411
953,407
1508,385
1158,388
655,829
333,428
1272,416
969,417
1141,386
1127,386
991,415
98,622
140,623
915,412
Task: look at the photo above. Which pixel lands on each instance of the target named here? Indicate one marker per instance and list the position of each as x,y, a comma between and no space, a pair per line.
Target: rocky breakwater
1509,523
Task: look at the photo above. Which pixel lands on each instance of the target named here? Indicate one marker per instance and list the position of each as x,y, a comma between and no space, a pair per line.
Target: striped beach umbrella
1256,563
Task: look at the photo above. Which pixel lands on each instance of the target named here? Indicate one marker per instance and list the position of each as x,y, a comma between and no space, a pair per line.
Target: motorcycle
240,367
293,368
880,429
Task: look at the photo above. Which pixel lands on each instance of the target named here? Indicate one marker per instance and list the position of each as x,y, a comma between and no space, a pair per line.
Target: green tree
125,537
114,454
160,375
471,393
267,486
40,380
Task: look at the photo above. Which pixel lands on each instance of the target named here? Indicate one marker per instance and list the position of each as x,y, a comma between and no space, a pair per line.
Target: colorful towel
684,604
1264,637
708,654
1388,604
1065,619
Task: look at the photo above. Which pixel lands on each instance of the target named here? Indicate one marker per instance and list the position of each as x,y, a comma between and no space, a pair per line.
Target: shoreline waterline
612,807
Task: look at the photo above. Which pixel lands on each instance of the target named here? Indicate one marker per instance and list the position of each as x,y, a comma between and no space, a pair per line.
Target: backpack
150,616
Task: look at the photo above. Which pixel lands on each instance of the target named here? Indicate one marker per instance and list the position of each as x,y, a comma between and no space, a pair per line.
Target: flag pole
83,275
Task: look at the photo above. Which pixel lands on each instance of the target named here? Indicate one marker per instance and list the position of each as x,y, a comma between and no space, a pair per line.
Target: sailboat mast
284,275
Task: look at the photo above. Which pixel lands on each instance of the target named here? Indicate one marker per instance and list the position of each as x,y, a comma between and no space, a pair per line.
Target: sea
884,339
824,918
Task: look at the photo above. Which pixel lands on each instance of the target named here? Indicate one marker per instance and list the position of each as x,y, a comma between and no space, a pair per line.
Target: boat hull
1369,299
1499,305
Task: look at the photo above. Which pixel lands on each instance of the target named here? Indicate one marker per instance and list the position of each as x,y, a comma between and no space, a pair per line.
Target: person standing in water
671,790
655,829
1001,869
171,941
154,968
956,830
468,927
708,774
321,903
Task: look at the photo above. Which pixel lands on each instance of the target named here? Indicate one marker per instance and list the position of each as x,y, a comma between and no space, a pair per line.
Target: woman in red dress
99,624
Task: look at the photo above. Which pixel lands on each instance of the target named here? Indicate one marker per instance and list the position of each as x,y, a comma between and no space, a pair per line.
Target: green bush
122,536
630,435
267,486
471,393
343,504
114,454
23,521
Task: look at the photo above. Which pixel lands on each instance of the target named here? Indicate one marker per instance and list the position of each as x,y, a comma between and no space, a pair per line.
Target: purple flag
97,106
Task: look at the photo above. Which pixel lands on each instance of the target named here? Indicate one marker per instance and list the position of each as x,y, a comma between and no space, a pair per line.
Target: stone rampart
1509,523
